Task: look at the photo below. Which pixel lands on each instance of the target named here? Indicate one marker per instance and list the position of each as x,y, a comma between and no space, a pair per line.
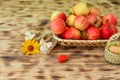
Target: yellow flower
30,47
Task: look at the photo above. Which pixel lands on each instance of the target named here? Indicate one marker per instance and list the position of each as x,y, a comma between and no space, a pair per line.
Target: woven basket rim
65,40
117,35
111,39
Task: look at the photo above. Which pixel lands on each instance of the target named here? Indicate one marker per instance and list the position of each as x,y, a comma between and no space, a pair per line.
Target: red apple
93,33
58,14
58,26
92,18
80,8
72,33
81,23
108,30
94,11
109,18
70,20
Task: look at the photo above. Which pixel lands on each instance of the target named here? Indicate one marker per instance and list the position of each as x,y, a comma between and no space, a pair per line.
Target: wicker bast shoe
110,56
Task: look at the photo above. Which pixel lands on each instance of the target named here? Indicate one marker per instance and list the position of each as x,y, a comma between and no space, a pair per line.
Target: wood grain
19,16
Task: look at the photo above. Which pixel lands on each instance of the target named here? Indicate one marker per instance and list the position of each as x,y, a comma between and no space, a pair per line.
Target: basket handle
113,37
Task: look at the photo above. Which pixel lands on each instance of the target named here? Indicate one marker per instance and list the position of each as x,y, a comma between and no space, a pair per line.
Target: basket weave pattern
109,56
78,43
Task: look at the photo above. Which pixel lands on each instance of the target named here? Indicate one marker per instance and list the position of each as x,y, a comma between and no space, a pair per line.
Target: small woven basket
78,43
109,56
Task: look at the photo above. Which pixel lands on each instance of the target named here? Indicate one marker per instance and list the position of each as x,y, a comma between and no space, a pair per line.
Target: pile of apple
83,22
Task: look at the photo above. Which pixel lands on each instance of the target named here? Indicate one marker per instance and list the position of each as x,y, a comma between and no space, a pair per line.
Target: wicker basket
78,43
109,56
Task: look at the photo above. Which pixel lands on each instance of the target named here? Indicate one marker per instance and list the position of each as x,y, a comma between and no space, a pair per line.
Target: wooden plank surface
19,16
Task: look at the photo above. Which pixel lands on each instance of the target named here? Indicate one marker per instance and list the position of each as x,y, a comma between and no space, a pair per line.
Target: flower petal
36,44
36,51
23,44
28,33
32,36
33,41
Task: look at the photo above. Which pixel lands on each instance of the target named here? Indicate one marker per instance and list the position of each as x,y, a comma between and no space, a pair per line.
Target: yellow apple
70,20
80,8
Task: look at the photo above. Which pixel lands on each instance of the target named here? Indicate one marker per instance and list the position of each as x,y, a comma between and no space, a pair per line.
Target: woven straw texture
78,43
109,56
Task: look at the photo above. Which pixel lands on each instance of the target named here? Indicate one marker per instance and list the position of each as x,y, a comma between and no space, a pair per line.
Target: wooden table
19,16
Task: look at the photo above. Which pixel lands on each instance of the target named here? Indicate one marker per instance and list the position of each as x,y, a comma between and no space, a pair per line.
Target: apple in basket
80,8
71,33
58,26
70,20
93,33
94,10
58,14
108,30
92,18
111,18
81,22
